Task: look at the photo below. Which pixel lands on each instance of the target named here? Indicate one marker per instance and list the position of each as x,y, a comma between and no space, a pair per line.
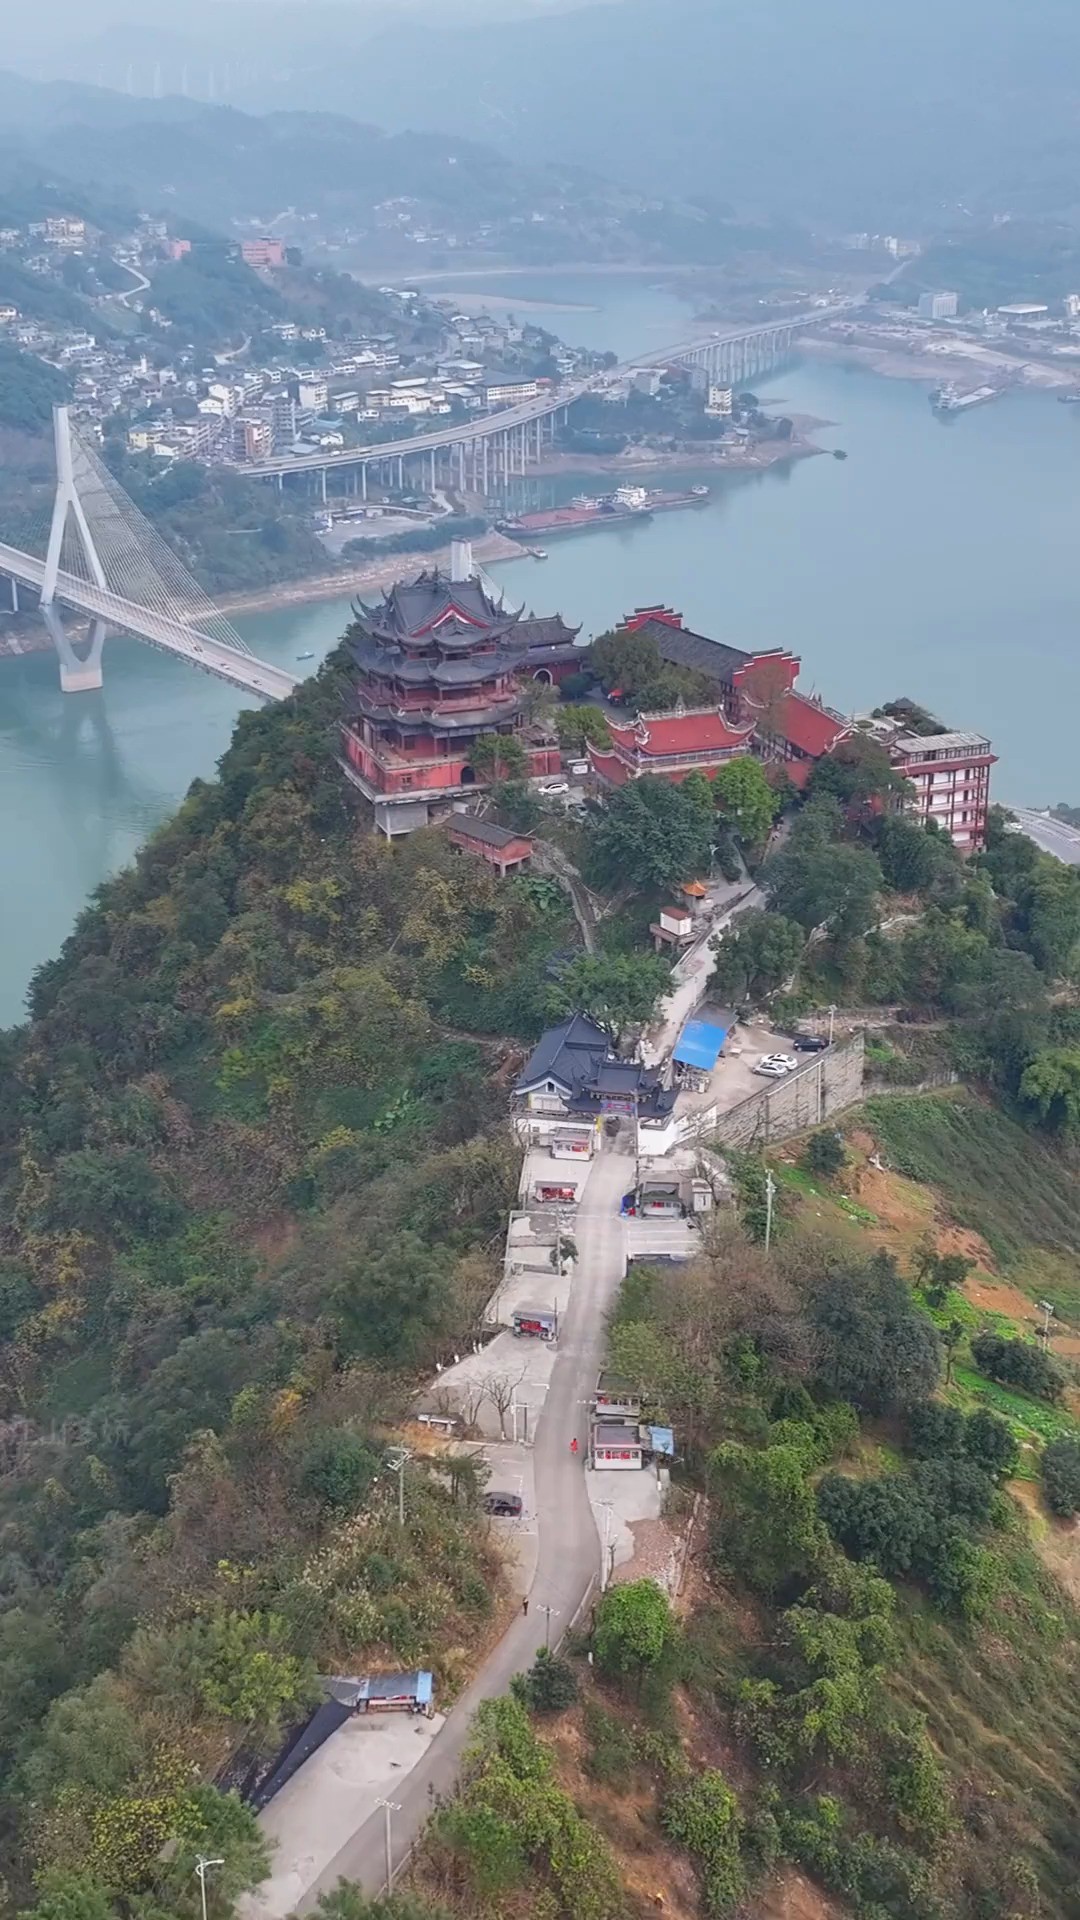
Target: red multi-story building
265,253
438,665
950,774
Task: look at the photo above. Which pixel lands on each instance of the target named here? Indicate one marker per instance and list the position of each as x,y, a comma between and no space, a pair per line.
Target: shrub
824,1154
338,1468
991,1444
1061,1476
704,1818
633,1628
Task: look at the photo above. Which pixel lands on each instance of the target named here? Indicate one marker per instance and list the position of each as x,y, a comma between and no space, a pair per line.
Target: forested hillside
253,1177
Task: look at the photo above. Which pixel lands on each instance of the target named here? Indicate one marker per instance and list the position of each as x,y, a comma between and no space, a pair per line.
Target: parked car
508,1505
772,1070
788,1060
554,787
810,1043
776,1064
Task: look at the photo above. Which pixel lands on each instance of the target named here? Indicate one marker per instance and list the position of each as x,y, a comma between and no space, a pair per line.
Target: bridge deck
169,636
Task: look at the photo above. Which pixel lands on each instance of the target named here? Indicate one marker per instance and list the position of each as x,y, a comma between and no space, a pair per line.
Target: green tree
64,1895
820,881
875,1348
748,805
550,1686
634,1626
1061,1476
654,833
755,956
576,726
1051,1086
499,756
913,856
858,774
1049,917
767,1526
990,1443
347,1901
618,989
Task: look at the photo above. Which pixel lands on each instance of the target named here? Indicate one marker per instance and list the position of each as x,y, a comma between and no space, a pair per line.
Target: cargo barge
949,399
608,510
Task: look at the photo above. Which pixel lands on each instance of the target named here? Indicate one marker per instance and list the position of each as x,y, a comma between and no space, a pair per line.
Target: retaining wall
828,1084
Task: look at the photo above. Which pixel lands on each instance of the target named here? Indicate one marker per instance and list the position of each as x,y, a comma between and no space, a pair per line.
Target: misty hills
226,171
838,111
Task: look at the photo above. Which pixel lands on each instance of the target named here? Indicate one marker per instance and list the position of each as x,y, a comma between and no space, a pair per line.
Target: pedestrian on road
525,1606
573,1444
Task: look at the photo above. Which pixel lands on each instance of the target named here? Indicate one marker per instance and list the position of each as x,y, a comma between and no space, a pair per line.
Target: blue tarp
700,1045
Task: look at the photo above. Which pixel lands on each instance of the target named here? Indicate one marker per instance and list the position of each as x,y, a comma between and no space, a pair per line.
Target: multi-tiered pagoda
440,663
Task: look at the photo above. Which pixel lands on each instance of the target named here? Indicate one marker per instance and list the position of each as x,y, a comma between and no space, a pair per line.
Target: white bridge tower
79,673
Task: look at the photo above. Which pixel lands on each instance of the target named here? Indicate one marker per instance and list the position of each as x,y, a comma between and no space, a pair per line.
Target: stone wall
829,1083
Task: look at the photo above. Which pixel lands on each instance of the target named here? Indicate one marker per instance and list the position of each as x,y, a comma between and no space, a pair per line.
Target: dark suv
509,1504
809,1042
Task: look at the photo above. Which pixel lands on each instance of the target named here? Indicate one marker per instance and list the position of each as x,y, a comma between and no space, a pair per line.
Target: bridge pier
78,673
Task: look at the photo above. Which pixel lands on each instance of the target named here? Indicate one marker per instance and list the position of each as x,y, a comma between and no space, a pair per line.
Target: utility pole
395,1460
1048,1314
389,1807
832,1023
202,1868
770,1192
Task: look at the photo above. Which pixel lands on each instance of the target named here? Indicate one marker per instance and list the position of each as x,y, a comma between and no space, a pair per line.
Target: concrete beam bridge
481,456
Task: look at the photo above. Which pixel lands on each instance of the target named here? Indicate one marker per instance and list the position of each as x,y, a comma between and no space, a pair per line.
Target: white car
770,1070
556,787
776,1065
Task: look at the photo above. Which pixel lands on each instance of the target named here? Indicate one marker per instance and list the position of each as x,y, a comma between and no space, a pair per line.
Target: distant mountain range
225,171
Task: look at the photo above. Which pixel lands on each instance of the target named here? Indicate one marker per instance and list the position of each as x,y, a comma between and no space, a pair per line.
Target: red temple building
670,745
438,664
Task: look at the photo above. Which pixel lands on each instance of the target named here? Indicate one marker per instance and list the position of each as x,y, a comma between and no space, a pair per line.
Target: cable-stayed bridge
104,561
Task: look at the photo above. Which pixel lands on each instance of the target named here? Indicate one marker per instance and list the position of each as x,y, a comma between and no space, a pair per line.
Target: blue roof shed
700,1045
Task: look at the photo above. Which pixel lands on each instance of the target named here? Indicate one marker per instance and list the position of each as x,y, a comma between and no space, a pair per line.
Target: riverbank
725,459
981,363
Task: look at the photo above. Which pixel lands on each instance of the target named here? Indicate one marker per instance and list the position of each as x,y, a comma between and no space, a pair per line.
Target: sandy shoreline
981,363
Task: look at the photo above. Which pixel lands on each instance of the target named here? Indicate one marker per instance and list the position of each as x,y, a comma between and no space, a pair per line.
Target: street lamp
832,1023
202,1868
548,1611
395,1460
389,1807
1048,1313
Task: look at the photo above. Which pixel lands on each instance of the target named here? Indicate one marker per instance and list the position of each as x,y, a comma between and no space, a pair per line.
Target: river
936,561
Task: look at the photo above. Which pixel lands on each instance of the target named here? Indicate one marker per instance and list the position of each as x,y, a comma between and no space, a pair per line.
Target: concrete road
568,1555
1053,836
691,973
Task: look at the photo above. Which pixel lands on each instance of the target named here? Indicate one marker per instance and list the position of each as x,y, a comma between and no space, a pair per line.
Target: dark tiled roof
681,648
485,831
569,1054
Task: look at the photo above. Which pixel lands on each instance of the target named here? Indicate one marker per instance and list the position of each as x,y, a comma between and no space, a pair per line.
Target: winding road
569,1547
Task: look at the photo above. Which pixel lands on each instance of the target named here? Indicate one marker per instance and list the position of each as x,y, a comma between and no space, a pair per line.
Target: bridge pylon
79,672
